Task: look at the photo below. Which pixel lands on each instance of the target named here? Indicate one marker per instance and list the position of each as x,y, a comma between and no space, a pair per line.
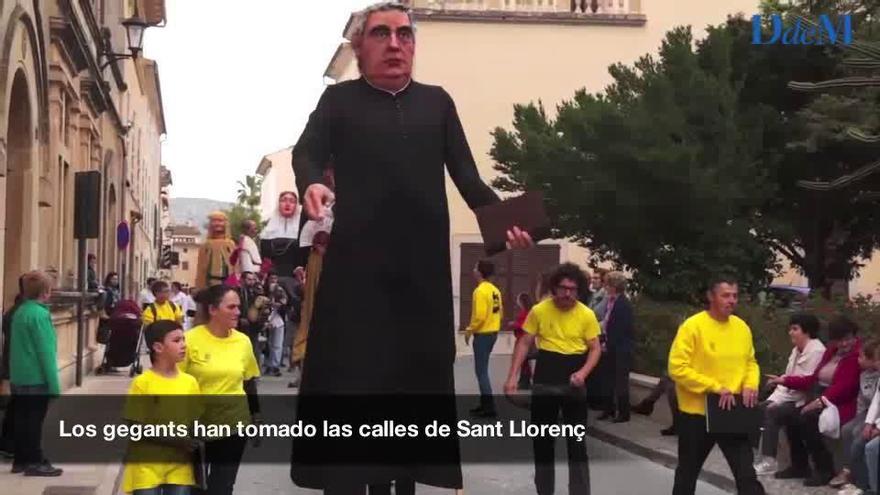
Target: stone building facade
68,105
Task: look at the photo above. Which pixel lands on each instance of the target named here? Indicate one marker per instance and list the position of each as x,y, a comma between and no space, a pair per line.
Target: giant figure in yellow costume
214,266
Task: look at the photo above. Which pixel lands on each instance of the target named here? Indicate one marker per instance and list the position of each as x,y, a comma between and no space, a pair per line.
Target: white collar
392,93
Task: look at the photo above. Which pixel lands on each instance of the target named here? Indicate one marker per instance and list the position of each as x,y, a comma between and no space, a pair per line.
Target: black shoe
476,410
644,408
669,432
818,479
276,372
17,468
620,419
791,473
43,470
605,416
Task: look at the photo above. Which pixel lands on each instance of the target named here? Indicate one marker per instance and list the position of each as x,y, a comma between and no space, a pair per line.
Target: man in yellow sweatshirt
486,311
713,352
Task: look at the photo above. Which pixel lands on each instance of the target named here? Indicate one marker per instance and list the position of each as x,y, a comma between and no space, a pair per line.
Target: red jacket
844,389
520,321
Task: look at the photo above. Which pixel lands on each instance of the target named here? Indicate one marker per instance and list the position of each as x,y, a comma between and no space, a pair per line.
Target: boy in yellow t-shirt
163,466
163,308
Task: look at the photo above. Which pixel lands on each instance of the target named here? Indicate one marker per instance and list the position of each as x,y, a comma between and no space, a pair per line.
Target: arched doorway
19,136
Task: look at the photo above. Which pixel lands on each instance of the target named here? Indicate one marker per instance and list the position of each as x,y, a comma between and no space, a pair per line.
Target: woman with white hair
618,328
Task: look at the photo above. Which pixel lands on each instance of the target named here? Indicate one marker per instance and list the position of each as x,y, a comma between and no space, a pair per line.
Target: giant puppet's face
217,226
287,204
386,49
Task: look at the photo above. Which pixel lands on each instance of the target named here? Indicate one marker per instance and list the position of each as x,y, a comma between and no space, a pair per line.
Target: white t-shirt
179,300
146,297
249,258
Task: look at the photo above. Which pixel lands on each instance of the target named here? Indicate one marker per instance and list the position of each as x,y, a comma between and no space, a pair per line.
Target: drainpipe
123,276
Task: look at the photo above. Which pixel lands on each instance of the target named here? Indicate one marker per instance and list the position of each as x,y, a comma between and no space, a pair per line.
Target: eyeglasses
405,34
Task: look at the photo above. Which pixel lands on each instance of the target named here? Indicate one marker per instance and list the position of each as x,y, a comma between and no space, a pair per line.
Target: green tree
696,162
247,206
237,215
249,191
659,174
822,219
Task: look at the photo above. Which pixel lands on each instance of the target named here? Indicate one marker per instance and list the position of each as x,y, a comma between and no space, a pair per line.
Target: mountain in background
195,211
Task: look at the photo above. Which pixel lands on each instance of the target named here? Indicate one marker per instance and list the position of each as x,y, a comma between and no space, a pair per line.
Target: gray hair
359,19
617,280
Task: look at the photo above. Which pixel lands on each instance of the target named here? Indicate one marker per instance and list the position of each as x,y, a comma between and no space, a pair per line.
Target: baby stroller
125,336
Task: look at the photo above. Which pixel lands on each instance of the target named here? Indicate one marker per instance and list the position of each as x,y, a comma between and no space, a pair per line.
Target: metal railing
557,6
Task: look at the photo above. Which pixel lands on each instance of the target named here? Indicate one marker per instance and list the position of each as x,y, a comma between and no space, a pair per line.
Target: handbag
829,420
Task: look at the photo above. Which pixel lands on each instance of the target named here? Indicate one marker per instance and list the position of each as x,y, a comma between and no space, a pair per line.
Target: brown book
738,420
526,212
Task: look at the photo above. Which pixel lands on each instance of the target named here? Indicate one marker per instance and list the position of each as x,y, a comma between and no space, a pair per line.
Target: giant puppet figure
214,266
382,330
279,241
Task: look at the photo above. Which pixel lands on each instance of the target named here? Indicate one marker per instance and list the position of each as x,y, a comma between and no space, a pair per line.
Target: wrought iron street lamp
134,31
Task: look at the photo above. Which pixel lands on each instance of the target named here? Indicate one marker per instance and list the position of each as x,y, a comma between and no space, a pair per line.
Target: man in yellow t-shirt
568,350
713,352
486,311
162,308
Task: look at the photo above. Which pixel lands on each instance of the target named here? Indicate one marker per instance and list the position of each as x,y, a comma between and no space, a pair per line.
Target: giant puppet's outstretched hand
316,197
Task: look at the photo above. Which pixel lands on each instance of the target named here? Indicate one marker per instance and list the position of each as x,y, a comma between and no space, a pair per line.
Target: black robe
286,254
383,324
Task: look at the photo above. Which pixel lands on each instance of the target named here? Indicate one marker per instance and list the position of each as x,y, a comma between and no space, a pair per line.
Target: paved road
613,471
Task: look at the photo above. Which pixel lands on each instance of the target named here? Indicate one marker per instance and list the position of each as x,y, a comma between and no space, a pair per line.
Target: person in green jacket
33,374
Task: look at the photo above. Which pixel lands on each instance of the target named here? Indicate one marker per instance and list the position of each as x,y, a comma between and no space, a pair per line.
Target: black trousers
7,440
552,369
401,487
694,445
665,386
30,412
599,387
223,457
805,441
617,397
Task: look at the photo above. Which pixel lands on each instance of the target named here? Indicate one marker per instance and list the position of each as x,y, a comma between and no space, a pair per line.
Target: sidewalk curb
111,483
664,459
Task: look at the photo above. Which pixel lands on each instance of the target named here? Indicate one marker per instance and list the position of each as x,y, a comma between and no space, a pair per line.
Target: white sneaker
850,489
765,466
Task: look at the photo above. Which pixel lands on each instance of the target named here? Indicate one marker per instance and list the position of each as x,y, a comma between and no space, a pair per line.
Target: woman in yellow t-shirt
163,394
222,360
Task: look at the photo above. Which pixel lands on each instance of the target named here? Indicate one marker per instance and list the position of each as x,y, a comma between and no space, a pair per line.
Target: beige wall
278,177
489,67
185,272
145,158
